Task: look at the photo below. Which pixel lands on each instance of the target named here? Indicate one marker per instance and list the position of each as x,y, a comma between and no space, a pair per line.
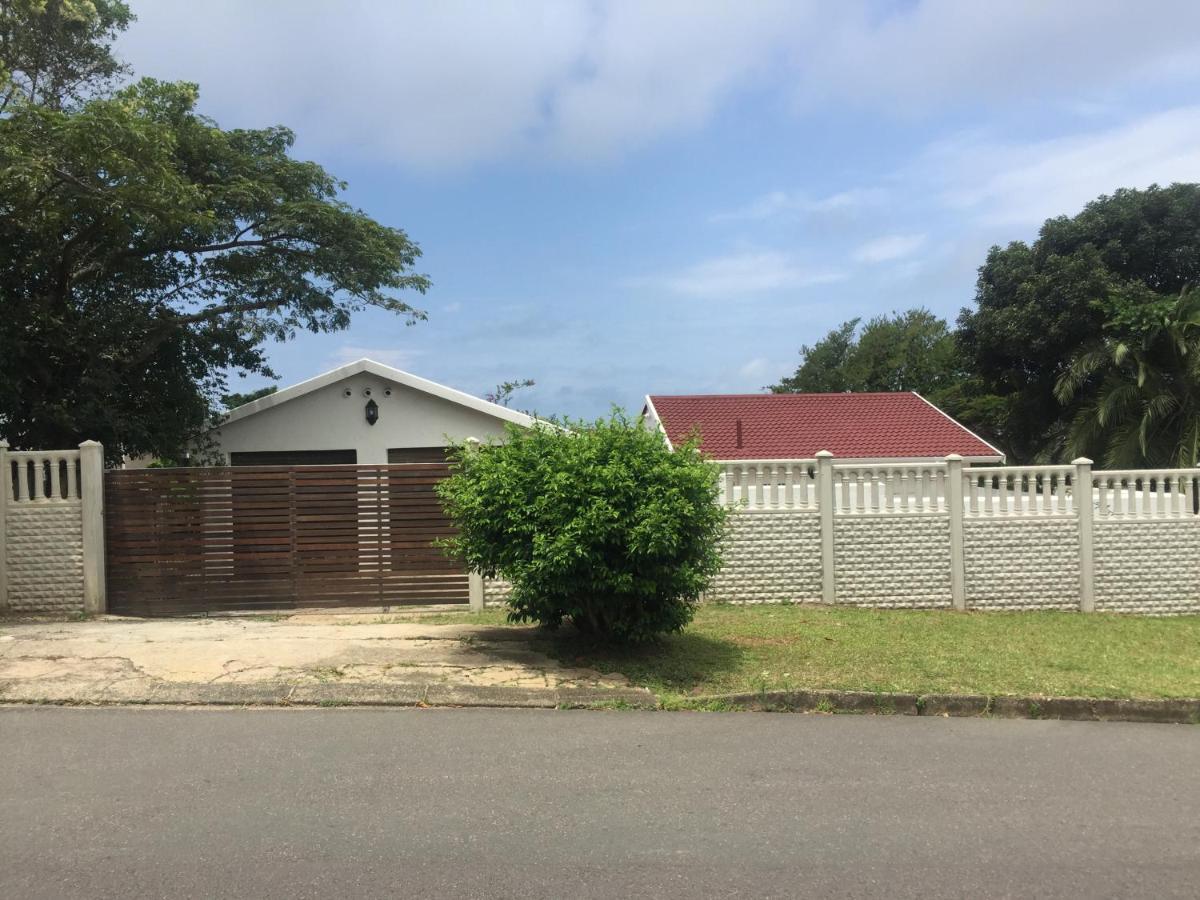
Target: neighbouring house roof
798,426
381,371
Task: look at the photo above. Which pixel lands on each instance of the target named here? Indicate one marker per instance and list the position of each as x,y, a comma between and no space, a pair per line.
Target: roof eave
380,370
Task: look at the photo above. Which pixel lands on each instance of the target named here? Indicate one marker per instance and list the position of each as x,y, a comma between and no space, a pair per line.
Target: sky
622,198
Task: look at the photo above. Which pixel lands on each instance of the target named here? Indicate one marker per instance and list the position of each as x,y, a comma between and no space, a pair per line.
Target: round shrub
599,523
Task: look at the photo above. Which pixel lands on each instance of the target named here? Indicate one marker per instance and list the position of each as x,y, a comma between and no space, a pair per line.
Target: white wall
326,419
770,557
1022,563
1148,566
1043,537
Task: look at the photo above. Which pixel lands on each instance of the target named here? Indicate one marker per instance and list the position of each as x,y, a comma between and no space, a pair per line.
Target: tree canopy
1141,384
55,52
1038,307
1083,342
909,351
145,252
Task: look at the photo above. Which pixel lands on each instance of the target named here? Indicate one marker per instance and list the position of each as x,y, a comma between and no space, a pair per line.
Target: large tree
909,351
145,252
1039,306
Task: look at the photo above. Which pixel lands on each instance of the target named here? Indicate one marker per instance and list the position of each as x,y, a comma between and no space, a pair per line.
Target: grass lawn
753,648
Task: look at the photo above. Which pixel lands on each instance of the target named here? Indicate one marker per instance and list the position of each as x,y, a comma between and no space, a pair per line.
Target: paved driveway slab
323,659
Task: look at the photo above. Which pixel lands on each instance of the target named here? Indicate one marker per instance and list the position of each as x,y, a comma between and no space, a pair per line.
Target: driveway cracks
319,660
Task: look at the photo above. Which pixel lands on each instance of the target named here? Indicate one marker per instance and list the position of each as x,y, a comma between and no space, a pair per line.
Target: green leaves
601,525
144,252
909,351
1107,276
1138,386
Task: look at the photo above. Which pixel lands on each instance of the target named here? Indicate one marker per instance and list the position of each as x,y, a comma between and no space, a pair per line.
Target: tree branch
213,312
227,245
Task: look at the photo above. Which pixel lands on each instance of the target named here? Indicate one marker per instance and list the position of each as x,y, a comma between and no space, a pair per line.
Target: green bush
600,524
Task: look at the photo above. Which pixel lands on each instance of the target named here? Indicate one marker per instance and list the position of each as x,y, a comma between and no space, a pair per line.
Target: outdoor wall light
372,412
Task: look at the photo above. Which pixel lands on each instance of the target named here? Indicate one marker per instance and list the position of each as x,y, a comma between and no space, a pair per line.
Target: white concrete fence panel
930,534
52,529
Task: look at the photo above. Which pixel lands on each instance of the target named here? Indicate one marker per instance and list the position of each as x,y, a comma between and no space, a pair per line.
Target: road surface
541,803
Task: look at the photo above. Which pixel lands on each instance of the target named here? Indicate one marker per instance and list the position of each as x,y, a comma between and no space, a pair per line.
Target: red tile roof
797,426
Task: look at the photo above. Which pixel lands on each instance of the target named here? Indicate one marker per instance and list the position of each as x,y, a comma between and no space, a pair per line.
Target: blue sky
626,198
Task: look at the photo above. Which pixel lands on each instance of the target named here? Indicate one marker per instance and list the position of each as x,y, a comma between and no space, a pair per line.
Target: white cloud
921,57
453,83
1006,183
792,203
650,69
889,248
755,368
751,272
456,83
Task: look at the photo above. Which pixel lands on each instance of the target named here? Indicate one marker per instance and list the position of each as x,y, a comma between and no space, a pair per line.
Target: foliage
55,52
235,399
909,351
504,391
144,252
823,366
1141,383
601,525
1039,306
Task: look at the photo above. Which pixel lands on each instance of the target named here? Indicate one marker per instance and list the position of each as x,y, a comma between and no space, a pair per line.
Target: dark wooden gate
268,537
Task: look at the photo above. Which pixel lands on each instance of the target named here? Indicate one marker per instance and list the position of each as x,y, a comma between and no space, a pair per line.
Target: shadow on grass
677,662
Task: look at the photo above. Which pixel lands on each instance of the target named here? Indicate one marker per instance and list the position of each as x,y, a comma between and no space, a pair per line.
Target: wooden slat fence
259,537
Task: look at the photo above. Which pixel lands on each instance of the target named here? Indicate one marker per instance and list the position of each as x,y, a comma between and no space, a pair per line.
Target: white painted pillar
5,499
91,490
1083,509
825,507
475,591
954,499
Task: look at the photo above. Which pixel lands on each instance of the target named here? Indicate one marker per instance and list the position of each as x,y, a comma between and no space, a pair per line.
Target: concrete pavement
307,658
274,803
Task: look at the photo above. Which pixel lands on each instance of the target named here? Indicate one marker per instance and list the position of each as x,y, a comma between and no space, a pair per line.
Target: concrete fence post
825,507
954,500
91,492
1086,513
5,498
475,591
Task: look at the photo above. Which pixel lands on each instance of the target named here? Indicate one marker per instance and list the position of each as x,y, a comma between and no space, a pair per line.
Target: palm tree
1139,389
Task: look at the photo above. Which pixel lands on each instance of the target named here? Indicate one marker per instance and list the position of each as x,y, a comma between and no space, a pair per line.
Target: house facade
363,412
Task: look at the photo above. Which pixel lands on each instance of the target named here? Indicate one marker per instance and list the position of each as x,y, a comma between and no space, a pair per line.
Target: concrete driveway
299,659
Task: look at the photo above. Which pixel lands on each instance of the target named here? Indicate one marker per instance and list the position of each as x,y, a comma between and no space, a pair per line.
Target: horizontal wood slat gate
258,537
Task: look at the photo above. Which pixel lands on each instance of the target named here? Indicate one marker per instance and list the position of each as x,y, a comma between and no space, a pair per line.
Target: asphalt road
539,803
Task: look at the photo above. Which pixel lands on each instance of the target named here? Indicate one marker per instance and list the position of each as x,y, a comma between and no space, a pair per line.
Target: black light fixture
372,412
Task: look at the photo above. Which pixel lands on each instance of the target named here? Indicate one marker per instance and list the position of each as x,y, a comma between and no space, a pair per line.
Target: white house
363,412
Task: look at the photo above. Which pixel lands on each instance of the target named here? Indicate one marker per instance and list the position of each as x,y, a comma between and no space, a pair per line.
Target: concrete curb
1080,709
318,694
72,693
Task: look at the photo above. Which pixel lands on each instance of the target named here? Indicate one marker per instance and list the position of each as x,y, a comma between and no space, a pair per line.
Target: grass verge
730,649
